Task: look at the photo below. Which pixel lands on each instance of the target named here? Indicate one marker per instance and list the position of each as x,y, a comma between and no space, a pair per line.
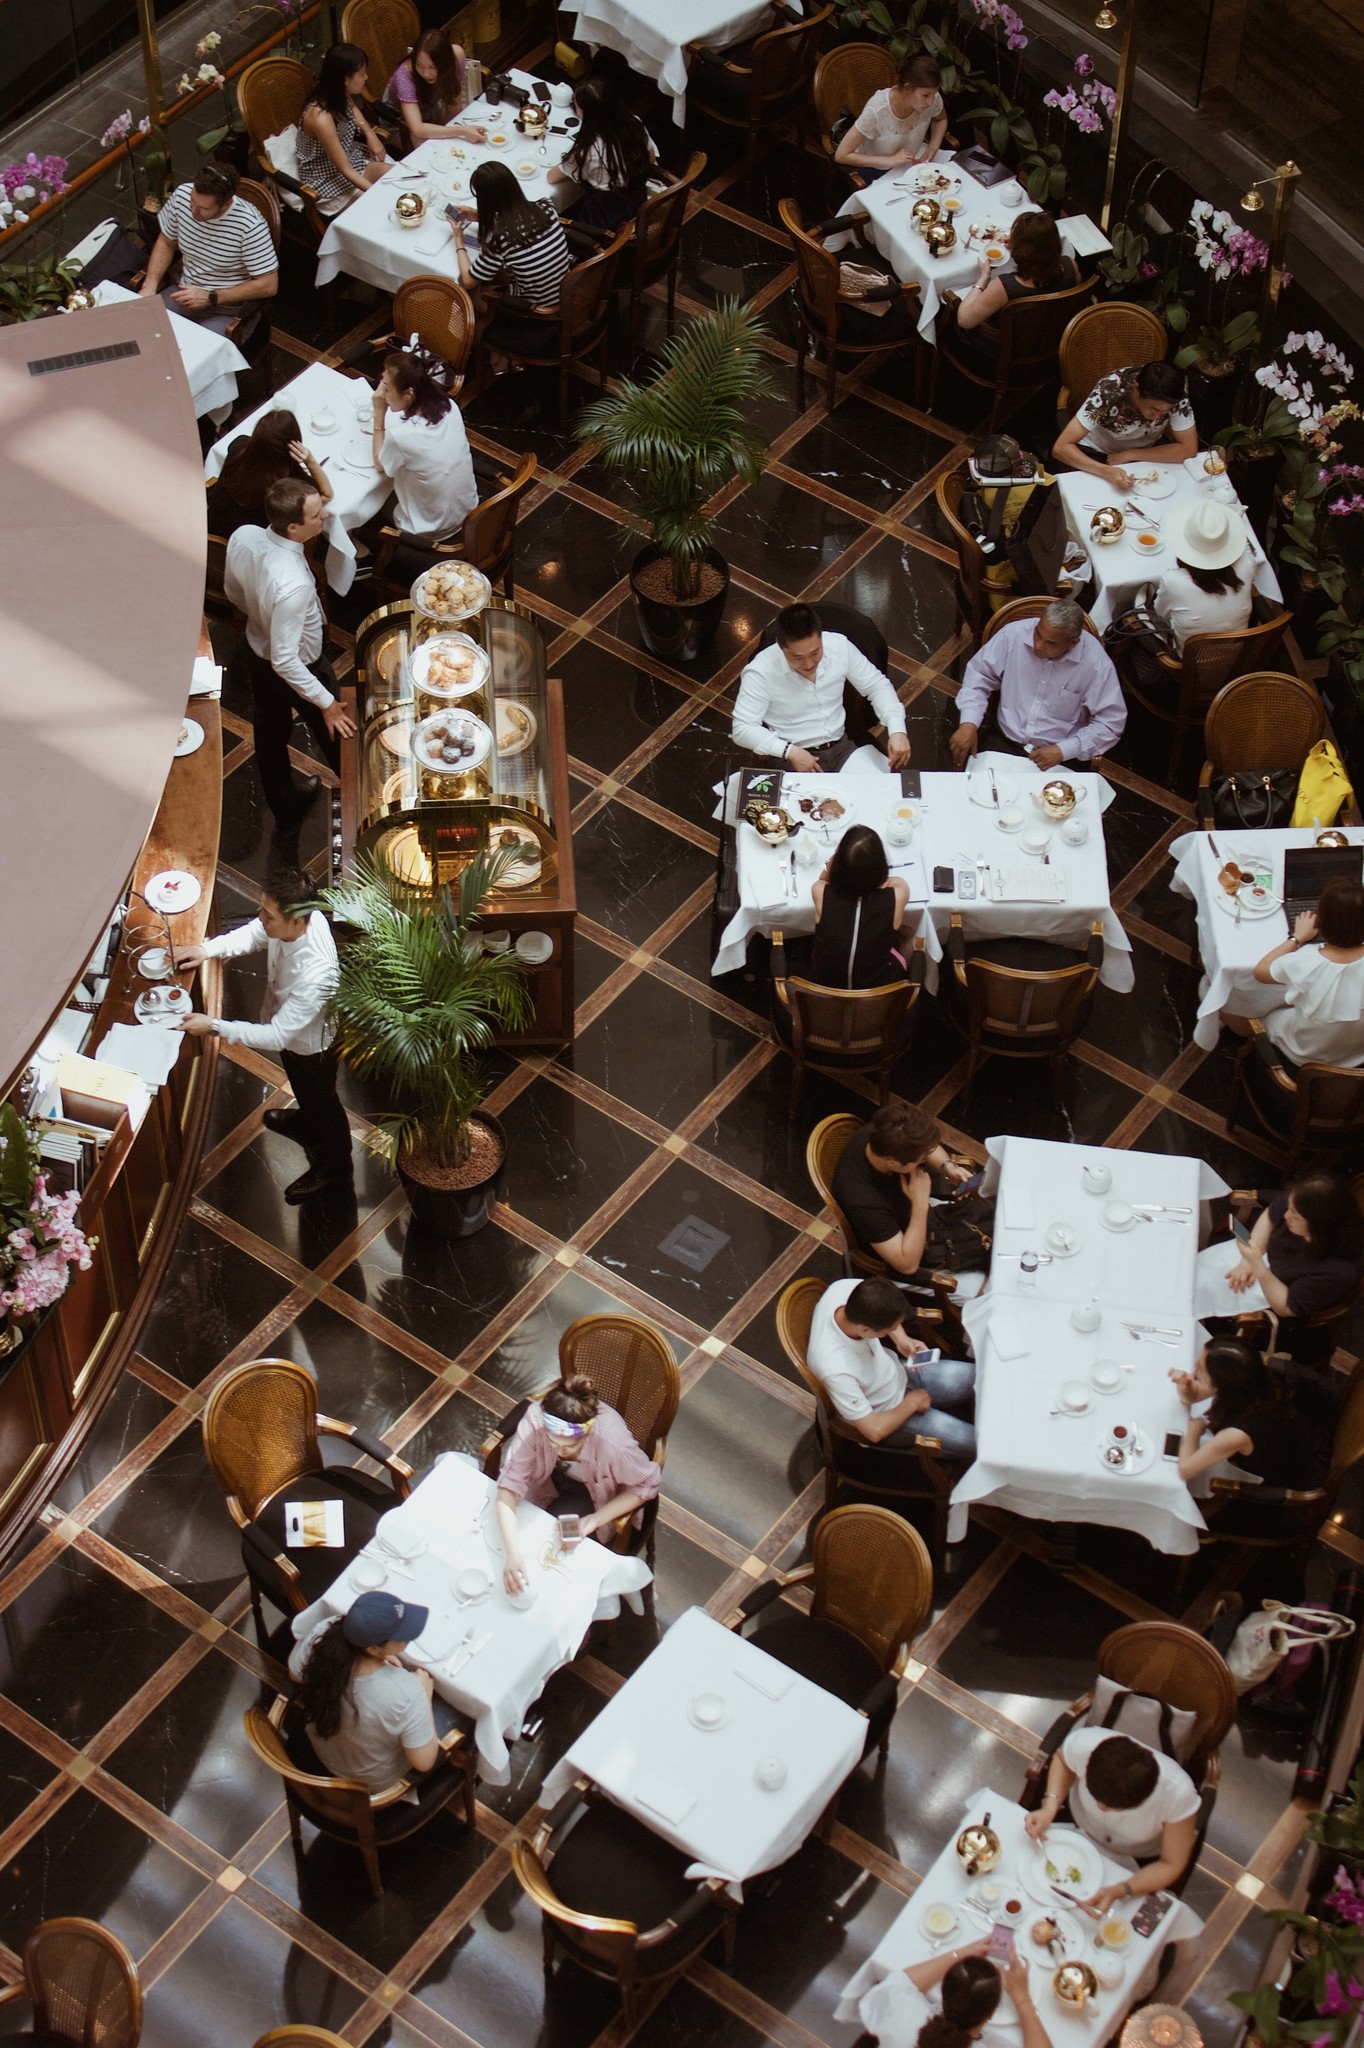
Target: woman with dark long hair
522,246
952,2000
273,449
858,907
420,442
573,1455
1040,265
609,160
1305,1252
428,90
1320,968
367,1715
339,154
1246,1425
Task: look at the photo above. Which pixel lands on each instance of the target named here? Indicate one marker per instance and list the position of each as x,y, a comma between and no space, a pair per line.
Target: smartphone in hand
1001,1945
570,1531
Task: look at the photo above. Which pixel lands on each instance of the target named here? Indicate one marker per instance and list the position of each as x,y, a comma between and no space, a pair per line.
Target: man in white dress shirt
267,576
1059,698
790,702
300,981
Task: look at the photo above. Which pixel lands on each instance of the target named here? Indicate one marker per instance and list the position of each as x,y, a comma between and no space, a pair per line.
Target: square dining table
698,1786
956,826
486,1657
212,362
945,1883
1137,1286
653,35
335,416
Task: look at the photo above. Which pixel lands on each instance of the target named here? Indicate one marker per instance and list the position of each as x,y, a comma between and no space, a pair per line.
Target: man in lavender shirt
1059,695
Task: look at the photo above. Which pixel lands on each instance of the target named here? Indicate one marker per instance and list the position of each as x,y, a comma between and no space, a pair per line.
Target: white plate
938,1933
451,644
154,964
1076,1386
173,889
159,1005
1066,1848
1157,481
1247,905
1118,1229
1101,1385
479,732
367,1572
708,1712
535,948
1071,1941
191,738
1059,1249
1133,1461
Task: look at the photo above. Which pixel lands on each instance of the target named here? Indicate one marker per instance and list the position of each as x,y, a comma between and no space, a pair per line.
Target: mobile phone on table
944,881
1151,1912
1173,1440
1000,1947
541,90
966,885
570,1531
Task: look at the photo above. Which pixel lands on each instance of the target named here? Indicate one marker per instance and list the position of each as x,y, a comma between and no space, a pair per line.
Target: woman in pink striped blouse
572,1455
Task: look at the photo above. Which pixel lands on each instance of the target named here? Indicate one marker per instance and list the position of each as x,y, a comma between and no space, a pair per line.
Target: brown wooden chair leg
802,349
563,394
295,1827
547,1945
376,1883
830,1489
672,291
470,1807
830,376
627,2002
797,1083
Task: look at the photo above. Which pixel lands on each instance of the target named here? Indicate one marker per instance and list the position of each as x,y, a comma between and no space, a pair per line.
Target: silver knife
1153,1330
1213,844
994,788
793,870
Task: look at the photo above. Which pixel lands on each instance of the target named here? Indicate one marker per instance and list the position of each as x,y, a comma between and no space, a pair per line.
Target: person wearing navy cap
368,1716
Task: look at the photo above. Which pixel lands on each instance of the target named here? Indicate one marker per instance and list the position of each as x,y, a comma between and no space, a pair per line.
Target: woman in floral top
1130,409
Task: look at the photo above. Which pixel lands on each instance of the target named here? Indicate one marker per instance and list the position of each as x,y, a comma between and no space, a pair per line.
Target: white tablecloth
958,829
452,1510
644,1748
888,202
1122,569
358,488
654,34
211,361
946,1883
1227,949
1048,1466
367,242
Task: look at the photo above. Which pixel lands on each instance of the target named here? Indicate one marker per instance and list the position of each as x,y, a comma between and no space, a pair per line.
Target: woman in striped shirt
522,246
339,154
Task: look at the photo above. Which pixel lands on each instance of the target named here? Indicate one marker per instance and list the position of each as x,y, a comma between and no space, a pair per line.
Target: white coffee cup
1010,817
1035,840
1097,1177
1119,1215
1120,1436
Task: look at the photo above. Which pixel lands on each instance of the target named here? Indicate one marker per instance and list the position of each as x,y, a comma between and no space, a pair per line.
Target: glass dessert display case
460,750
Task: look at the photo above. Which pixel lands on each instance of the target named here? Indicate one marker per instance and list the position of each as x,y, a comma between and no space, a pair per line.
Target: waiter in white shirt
267,577
790,702
300,981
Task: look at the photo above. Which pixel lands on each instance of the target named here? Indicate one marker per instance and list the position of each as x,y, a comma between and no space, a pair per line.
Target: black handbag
960,1234
1254,799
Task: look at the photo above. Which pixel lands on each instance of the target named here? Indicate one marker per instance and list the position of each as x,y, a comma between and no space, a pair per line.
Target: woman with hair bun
420,442
951,2001
572,1455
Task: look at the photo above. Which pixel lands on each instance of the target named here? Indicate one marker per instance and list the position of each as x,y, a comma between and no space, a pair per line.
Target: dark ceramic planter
458,1212
678,631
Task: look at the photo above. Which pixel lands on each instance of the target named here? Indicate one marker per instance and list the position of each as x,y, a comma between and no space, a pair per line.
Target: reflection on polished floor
126,1649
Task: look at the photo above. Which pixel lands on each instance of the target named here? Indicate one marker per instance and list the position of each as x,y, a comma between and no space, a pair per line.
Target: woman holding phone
572,1455
953,2000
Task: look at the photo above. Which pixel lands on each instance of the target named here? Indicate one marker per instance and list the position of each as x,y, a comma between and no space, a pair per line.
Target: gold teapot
1331,838
1058,799
533,120
924,212
1074,1984
410,208
1107,525
940,237
978,1848
769,821
79,300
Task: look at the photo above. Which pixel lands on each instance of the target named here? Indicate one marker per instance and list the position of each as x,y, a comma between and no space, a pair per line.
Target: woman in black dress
273,449
1247,1425
858,907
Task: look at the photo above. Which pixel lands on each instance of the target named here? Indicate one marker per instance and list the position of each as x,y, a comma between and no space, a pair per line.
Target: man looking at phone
883,1184
891,1388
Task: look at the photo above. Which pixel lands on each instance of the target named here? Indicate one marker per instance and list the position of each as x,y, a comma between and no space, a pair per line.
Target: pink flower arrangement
996,12
1222,247
121,129
40,1239
1090,105
31,183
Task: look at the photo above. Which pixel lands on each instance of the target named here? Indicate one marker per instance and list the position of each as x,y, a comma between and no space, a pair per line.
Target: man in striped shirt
228,256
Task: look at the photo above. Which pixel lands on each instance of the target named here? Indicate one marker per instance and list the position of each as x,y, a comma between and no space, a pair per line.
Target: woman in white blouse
1208,588
1321,968
902,124
420,442
952,2001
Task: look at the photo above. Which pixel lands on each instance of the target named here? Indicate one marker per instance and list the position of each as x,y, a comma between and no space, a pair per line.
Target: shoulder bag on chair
960,1233
1324,789
1264,1639
1254,800
1024,525
1142,1716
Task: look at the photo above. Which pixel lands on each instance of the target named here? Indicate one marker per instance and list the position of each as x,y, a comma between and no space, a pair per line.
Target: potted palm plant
416,1001
680,438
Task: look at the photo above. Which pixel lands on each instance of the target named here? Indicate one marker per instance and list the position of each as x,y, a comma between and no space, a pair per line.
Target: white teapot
1086,1315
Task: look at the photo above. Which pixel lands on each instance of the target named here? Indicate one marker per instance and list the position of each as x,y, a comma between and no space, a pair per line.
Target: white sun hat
1208,535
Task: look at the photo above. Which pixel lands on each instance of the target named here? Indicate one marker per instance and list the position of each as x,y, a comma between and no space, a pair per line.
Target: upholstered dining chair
82,1984
441,315
1263,721
1020,998
1250,1517
615,1898
871,1581
577,330
970,588
834,322
1164,1663
764,86
656,242
344,1808
1104,338
261,1431
1025,608
1179,688
844,1030
251,329
487,540
824,1148
1029,329
1309,1112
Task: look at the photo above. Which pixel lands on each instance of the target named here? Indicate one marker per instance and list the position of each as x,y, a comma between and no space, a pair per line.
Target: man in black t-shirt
882,1183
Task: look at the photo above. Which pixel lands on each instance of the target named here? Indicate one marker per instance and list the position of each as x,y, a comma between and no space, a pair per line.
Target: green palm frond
418,998
687,432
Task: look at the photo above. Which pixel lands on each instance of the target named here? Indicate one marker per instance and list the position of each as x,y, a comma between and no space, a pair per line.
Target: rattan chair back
1264,721
1025,608
631,1365
385,30
1104,338
332,1802
215,570
488,536
1037,1010
271,94
970,561
783,61
260,1431
657,237
1030,331
1182,1669
585,294
1347,1446
440,314
1208,663
265,202
824,1148
874,1577
1322,1107
845,79
83,1985
300,2037
795,1313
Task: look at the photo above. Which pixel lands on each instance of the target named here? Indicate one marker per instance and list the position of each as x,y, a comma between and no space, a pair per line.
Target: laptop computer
1307,870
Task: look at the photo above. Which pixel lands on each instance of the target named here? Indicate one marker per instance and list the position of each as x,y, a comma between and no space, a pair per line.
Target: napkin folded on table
1006,1337
773,1680
1017,1208
670,1801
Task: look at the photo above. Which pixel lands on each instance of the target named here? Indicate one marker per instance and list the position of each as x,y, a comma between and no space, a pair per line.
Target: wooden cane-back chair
250,331
1030,329
487,540
657,239
441,315
385,30
970,585
261,1428
771,87
844,1030
216,599
1316,1111
582,317
1025,608
824,1148
821,304
348,1811
1023,1011
631,1365
1105,338
271,95
1208,663
845,79
872,1575
300,2037
82,1984
1261,721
